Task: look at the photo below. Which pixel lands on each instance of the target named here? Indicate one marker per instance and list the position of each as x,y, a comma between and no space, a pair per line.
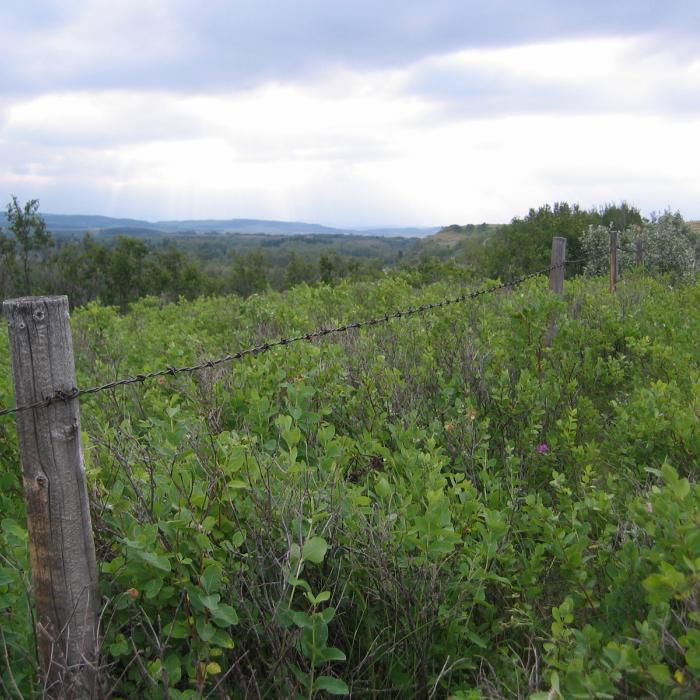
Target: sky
349,112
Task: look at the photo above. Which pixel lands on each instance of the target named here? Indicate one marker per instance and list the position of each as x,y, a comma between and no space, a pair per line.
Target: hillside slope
453,235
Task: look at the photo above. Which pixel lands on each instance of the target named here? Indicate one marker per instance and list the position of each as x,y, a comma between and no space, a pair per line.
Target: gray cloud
479,91
190,45
329,148
116,120
346,201
147,59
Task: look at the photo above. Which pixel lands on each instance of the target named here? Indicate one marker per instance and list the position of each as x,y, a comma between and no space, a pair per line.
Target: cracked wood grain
61,547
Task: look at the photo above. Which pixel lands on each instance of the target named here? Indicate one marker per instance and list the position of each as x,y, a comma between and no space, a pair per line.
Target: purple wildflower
543,448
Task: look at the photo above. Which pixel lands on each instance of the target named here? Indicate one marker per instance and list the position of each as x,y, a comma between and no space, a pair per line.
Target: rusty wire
75,392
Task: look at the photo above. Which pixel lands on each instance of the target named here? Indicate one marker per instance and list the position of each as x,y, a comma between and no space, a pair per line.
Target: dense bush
457,505
668,246
525,243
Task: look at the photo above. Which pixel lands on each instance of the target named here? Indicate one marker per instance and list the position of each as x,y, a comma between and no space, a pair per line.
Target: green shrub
458,505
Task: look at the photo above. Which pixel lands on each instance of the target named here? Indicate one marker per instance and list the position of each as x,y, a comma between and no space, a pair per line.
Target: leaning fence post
556,274
61,547
613,261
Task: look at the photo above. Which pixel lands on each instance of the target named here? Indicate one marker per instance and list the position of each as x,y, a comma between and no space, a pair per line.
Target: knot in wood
39,315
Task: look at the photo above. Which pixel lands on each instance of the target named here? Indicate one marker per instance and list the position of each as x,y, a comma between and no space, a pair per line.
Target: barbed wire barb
64,396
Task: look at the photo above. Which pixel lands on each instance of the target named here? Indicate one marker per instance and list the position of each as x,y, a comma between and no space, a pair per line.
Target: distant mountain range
70,224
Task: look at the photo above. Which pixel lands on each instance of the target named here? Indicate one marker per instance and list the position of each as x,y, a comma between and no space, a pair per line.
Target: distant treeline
126,269
525,244
118,270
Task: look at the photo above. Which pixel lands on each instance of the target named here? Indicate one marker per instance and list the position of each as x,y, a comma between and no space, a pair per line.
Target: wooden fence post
556,275
61,547
613,261
556,282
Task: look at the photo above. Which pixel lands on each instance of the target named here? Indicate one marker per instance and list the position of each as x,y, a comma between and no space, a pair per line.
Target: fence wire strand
75,392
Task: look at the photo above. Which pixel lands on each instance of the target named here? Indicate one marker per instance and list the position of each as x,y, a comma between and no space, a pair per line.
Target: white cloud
100,119
471,135
192,46
603,75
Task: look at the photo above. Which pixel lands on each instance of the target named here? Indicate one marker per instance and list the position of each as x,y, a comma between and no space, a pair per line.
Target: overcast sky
349,112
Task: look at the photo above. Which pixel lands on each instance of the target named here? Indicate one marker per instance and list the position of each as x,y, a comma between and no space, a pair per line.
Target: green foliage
668,245
298,271
620,217
8,264
28,237
248,273
451,505
118,269
525,244
313,624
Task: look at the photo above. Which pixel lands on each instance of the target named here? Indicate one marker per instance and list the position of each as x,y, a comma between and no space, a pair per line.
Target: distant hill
71,224
86,222
243,226
409,232
451,236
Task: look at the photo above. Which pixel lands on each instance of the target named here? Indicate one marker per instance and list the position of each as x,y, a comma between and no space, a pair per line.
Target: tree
326,269
620,216
30,233
668,244
298,271
81,270
126,271
525,245
249,273
171,274
8,264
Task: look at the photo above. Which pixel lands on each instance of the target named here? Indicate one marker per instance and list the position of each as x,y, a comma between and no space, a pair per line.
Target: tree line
122,269
525,244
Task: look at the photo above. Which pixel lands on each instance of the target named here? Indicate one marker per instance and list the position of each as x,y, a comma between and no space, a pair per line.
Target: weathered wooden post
61,547
556,281
613,261
638,251
556,274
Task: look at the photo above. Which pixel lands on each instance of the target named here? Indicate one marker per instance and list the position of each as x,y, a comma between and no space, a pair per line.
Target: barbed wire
625,249
63,396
